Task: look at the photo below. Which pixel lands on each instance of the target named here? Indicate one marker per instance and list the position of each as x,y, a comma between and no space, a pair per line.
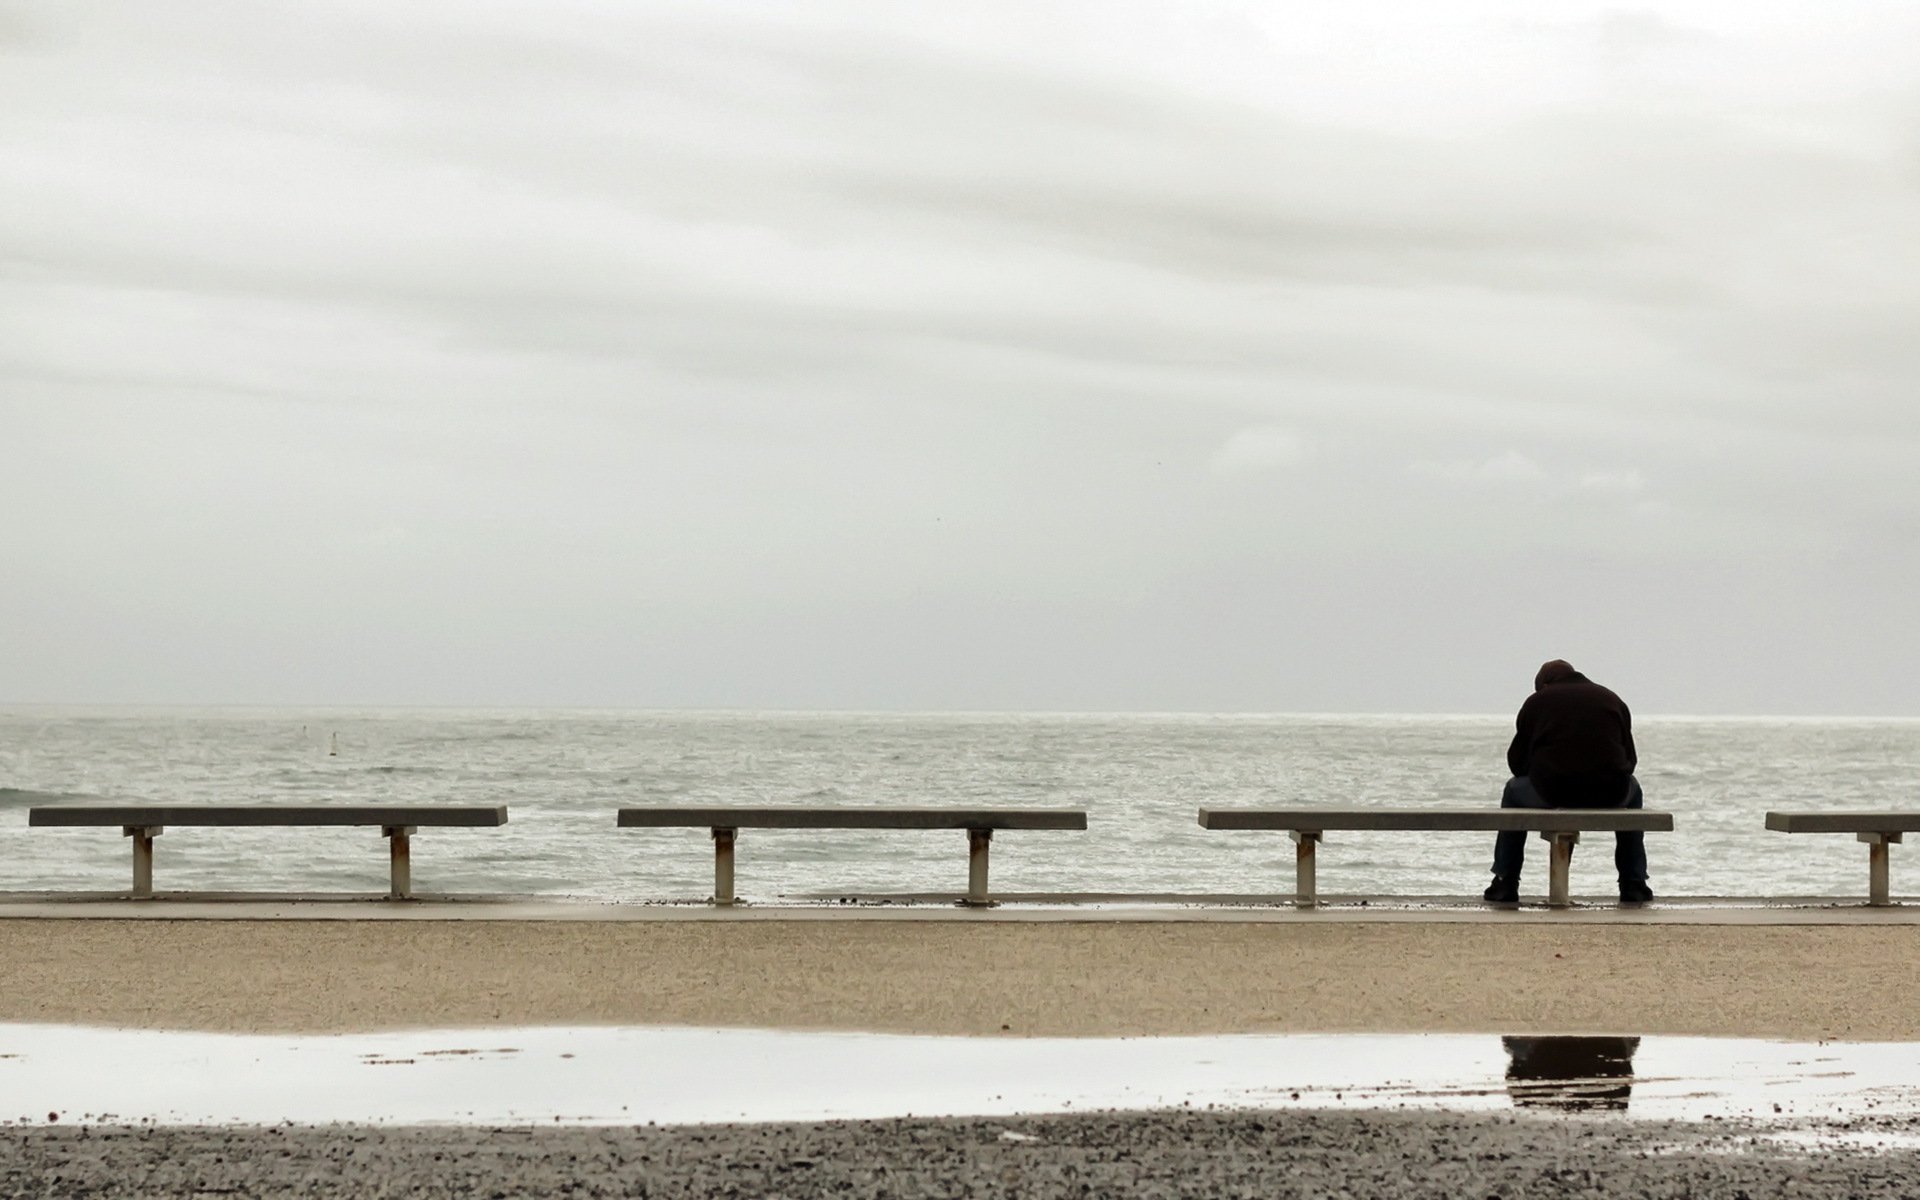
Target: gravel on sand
1180,1153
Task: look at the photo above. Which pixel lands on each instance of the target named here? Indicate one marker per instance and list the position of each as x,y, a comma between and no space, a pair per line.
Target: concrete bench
725,822
144,822
1561,827
1877,829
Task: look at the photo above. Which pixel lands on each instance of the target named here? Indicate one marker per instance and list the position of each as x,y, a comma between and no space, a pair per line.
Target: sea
1140,776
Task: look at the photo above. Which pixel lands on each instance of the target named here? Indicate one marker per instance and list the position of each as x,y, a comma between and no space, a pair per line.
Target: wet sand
1100,1154
1057,978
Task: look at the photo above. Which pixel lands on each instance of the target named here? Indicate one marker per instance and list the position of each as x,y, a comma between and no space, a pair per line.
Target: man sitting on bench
1572,748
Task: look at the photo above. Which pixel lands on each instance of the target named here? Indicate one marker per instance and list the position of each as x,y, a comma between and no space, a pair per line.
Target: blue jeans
1510,849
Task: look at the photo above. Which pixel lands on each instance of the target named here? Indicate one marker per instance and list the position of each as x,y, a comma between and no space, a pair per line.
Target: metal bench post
1306,884
142,836
977,842
400,861
1560,866
723,864
1877,843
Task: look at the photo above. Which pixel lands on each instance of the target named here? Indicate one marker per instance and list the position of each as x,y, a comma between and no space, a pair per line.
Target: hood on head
1557,671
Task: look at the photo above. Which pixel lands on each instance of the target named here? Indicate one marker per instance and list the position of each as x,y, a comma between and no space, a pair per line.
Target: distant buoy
333,746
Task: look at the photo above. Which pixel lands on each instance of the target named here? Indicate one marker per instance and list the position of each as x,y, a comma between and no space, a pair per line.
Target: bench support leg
1560,867
977,842
399,861
142,836
1306,883
1878,891
723,866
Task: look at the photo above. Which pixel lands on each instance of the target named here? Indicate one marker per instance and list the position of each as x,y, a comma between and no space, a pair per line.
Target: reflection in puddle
1572,1074
595,1075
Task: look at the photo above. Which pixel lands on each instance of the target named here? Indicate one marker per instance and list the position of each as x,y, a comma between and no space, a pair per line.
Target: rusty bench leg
1560,866
1306,882
142,836
977,842
399,861
1877,881
723,865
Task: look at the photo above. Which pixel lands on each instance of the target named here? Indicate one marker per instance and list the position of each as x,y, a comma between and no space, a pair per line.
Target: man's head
1557,671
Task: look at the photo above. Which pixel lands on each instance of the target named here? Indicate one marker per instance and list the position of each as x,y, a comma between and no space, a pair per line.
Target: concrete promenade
1014,909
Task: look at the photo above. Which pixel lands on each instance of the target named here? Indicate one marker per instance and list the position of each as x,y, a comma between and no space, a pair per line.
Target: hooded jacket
1571,734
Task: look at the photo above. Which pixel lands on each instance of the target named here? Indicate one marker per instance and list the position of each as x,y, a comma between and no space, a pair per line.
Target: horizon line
14,706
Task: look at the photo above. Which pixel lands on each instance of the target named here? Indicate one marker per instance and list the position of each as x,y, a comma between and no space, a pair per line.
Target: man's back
1573,739
1572,748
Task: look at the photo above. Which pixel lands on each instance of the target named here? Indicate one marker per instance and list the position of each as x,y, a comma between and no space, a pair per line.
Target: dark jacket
1573,740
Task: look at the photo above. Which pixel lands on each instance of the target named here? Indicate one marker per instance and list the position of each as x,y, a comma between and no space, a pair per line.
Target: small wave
27,798
496,735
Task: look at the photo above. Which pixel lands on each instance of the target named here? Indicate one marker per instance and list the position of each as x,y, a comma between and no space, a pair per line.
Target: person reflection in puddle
1570,1074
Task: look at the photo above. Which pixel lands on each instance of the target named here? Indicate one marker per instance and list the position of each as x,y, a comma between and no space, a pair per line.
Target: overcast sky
1225,356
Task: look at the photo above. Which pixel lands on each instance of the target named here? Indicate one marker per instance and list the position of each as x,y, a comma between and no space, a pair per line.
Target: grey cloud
1622,36
1628,33
762,325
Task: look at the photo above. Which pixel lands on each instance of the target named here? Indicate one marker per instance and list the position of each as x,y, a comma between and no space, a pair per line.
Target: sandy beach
1002,978
1056,978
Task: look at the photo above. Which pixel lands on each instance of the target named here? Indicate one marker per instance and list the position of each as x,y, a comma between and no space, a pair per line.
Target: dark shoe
1635,891
1505,889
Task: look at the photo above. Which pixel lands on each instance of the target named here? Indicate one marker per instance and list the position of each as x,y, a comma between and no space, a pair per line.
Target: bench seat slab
144,822
783,817
1844,822
1879,830
243,815
1560,827
726,821
1439,820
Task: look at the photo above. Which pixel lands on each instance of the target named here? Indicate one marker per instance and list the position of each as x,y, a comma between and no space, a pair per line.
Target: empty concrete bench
726,822
144,822
1561,827
1877,829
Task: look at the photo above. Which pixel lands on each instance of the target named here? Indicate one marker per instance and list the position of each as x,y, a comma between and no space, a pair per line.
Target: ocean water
1140,776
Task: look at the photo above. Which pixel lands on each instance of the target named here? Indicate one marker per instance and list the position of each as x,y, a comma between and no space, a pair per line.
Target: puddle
681,1076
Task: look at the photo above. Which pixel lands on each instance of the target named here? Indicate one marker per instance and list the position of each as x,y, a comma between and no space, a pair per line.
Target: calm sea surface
1139,776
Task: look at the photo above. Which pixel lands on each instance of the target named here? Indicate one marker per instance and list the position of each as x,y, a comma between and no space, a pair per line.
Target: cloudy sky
1029,355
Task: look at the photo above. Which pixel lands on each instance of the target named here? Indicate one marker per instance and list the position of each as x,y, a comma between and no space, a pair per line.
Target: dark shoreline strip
1177,1153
